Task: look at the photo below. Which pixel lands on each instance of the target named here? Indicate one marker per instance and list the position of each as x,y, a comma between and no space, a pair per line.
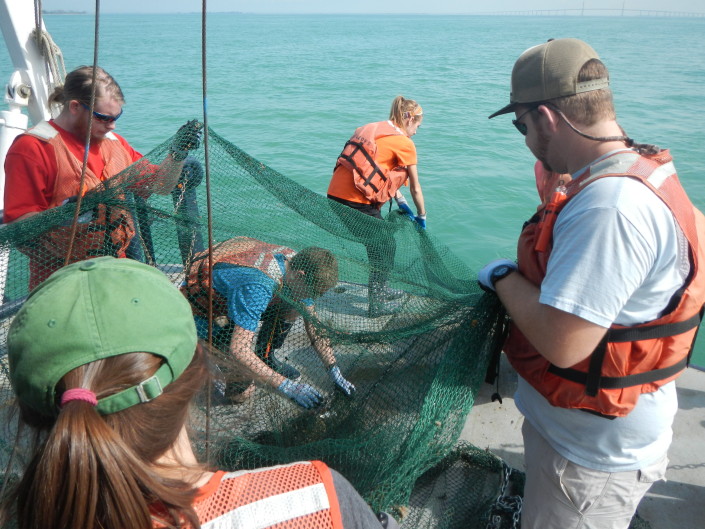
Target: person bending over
248,277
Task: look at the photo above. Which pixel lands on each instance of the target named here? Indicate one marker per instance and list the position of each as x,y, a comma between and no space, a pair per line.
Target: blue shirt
248,292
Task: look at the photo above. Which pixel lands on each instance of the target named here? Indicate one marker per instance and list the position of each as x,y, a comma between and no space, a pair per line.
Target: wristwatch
500,272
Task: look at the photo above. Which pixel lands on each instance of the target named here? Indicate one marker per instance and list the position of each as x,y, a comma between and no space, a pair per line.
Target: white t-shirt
618,256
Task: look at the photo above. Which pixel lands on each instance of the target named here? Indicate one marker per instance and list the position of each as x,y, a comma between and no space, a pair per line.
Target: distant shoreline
63,12
572,13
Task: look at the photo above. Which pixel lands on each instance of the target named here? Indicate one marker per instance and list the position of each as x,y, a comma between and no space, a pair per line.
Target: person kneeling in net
109,382
254,281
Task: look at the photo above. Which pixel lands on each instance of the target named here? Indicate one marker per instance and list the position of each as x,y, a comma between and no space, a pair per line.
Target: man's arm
562,338
247,360
252,367
325,352
321,344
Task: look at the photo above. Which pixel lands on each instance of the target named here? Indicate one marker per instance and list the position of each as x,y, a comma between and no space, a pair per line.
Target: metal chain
504,504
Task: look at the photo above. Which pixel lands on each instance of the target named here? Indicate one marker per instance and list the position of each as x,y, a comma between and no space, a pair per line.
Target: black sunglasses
521,127
105,118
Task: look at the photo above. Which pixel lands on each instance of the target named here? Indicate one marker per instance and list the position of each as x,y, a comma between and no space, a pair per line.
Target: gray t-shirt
618,256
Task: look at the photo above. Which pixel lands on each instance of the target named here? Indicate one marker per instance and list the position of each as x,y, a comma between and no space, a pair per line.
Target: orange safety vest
630,360
288,497
240,251
111,229
376,184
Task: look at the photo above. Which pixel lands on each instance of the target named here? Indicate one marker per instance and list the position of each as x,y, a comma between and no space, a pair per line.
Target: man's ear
551,117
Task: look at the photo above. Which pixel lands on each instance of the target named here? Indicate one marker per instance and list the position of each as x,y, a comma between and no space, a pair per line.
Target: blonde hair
403,109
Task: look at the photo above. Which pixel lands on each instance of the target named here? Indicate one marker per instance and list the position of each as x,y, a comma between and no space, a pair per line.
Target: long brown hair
94,471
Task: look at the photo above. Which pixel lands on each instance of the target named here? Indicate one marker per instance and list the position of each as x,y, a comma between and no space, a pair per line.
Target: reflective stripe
661,174
274,510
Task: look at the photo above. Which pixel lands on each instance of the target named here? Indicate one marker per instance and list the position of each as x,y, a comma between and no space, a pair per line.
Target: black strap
376,170
593,380
632,334
581,377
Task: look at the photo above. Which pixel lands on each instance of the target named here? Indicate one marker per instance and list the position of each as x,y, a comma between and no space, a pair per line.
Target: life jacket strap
593,380
376,170
638,379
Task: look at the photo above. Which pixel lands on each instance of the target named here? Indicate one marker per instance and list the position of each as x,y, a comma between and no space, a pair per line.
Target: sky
368,6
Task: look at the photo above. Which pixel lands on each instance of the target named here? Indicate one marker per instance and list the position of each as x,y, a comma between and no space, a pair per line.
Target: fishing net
407,323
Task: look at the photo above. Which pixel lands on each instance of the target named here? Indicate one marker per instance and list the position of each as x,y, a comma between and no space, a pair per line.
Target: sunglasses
521,127
105,118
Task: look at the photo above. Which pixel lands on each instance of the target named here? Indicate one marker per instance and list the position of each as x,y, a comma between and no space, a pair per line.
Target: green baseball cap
92,310
551,70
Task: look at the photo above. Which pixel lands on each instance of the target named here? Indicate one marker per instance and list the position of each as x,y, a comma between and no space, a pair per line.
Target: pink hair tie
79,394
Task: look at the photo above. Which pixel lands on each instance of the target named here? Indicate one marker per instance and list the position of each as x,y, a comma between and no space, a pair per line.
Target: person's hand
485,275
302,394
187,138
340,382
404,207
421,221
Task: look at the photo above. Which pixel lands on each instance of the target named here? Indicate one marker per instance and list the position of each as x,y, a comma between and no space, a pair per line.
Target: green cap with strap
92,310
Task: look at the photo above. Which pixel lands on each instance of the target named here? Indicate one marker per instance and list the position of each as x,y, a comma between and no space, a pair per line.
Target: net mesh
405,319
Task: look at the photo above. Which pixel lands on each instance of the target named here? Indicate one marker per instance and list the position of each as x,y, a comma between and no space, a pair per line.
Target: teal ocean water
290,89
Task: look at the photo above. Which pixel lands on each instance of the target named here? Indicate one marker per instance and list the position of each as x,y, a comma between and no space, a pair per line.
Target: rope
48,49
209,211
79,199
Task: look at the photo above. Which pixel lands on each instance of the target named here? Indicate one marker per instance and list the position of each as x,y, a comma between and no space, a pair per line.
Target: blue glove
302,394
187,138
404,207
484,276
421,221
341,383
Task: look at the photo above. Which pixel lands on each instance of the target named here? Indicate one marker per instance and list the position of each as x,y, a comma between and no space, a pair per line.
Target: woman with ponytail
375,163
105,363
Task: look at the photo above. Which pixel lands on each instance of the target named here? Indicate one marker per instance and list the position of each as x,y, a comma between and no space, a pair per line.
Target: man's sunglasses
521,127
105,118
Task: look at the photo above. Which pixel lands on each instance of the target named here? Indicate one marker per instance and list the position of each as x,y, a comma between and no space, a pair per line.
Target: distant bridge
599,12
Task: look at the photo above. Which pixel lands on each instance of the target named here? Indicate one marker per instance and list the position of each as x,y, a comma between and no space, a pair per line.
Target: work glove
421,221
484,276
404,207
340,382
302,394
187,138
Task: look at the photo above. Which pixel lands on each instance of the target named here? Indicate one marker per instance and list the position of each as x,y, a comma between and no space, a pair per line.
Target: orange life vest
287,497
240,251
630,360
110,229
358,156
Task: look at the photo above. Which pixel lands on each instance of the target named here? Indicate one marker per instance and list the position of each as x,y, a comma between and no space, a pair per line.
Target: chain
505,504
182,195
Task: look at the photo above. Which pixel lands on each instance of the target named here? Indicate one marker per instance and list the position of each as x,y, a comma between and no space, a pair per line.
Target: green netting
416,361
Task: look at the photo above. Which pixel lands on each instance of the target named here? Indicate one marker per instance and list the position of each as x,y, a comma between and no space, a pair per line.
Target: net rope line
209,213
82,183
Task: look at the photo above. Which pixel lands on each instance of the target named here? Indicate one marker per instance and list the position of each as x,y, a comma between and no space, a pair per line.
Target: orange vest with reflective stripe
240,251
295,496
375,183
111,229
630,360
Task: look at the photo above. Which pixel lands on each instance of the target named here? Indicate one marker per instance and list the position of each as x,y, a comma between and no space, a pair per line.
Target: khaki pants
560,494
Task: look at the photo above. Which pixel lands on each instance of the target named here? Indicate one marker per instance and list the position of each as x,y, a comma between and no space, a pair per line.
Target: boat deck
677,502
